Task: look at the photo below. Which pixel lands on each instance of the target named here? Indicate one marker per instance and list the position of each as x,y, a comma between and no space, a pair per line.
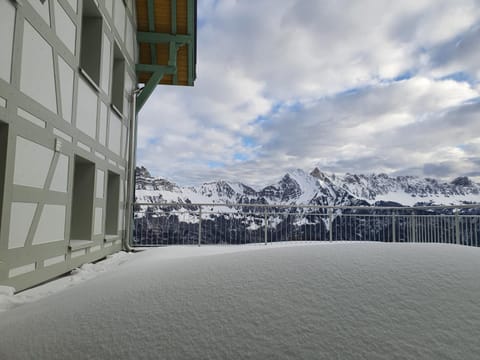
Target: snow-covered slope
298,187
311,301
409,190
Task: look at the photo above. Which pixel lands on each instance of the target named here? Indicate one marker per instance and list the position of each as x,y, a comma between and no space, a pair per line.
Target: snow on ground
86,272
308,301
9,300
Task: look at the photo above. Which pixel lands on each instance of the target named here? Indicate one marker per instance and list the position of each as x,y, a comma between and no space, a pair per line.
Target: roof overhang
166,34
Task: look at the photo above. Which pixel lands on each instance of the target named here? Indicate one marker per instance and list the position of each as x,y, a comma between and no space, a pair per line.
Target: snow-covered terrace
282,301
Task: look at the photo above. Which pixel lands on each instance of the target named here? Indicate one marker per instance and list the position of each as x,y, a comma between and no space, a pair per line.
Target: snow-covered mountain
298,187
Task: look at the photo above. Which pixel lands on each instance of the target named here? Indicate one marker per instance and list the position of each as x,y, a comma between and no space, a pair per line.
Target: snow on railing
157,224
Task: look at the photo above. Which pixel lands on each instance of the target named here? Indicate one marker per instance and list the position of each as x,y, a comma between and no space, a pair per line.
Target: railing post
394,235
330,224
457,227
200,226
265,225
414,227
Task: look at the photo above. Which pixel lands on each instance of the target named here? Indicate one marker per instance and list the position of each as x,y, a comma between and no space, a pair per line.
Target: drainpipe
130,183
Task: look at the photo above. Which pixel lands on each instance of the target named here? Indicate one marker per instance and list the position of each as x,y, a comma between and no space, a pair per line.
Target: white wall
97,228
106,64
7,23
119,18
66,88
60,176
20,270
86,109
65,28
21,217
109,7
124,141
100,184
51,226
102,126
121,223
54,260
37,78
114,133
32,162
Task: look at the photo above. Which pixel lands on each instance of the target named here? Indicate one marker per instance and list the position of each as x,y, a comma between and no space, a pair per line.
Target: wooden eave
166,35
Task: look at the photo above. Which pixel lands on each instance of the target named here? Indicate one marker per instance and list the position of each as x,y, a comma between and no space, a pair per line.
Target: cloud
459,55
381,128
369,86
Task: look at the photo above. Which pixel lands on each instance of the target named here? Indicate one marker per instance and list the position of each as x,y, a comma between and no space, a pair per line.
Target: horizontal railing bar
404,208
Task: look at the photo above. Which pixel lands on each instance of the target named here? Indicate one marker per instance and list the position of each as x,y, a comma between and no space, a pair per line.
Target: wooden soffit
166,33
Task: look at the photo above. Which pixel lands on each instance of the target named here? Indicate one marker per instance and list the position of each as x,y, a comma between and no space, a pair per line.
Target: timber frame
67,147
166,34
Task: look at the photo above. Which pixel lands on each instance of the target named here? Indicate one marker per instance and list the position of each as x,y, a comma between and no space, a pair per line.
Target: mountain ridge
297,187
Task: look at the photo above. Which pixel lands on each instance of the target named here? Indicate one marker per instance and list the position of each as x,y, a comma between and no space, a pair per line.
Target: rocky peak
289,187
164,184
141,171
351,178
145,181
316,173
462,181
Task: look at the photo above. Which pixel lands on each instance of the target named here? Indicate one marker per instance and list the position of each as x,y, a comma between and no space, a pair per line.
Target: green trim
148,89
172,51
155,68
191,29
158,72
174,32
151,27
156,38
175,79
174,16
151,15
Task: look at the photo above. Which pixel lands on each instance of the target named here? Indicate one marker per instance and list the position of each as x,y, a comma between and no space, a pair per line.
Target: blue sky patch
351,91
248,142
404,76
459,76
215,164
240,156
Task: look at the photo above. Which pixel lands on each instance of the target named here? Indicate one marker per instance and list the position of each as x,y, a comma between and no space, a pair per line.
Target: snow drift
311,301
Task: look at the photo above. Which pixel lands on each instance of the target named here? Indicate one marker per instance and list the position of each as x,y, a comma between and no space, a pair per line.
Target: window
82,199
91,41
113,196
118,81
3,161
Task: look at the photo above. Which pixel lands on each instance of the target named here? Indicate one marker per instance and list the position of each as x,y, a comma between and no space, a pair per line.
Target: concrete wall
51,115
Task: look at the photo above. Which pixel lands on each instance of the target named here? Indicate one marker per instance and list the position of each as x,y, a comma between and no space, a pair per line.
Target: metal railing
198,224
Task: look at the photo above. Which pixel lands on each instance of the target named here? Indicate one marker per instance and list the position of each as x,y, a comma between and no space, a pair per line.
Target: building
69,71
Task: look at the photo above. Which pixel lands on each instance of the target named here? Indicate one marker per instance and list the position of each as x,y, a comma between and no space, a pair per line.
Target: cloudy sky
345,85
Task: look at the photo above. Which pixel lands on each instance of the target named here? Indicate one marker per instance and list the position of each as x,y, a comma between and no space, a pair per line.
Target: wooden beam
148,89
155,68
156,38
174,16
151,27
191,28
